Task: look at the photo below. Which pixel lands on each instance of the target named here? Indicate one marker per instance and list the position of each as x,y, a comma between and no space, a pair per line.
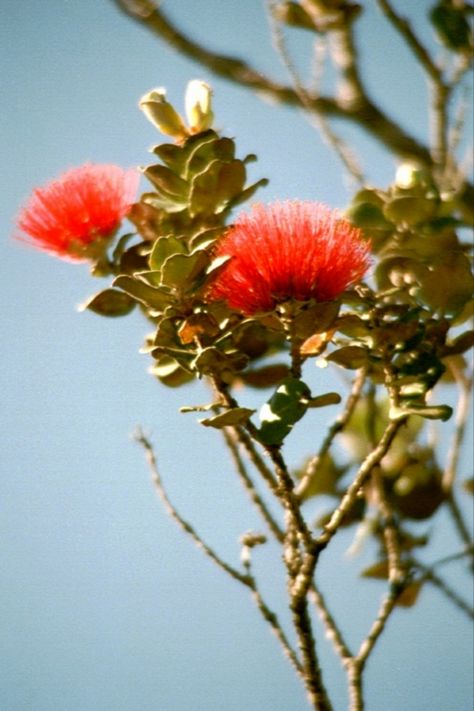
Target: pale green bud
197,104
409,175
162,114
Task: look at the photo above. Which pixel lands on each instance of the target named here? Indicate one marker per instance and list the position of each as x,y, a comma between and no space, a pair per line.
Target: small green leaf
181,270
172,155
410,210
324,400
210,150
410,594
230,418
170,372
167,182
265,377
146,294
286,406
431,412
351,357
378,570
248,192
165,247
368,216
109,302
213,188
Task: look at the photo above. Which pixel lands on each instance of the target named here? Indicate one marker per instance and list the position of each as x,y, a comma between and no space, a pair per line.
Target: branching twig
349,498
429,574
317,120
365,112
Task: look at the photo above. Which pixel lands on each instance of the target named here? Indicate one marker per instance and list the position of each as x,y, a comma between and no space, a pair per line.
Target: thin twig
390,530
173,513
350,497
338,425
431,576
404,28
272,619
288,496
332,630
317,120
386,608
462,413
231,442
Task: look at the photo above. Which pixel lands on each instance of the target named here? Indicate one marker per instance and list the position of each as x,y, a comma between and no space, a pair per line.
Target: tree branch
231,442
173,513
363,112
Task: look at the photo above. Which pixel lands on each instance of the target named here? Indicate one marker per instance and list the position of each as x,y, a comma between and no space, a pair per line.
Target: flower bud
410,175
198,105
162,114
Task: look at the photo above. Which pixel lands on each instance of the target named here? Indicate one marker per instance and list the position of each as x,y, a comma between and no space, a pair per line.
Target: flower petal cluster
74,216
290,250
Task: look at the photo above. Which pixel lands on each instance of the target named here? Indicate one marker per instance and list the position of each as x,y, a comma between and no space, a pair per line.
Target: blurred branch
429,574
317,120
363,112
462,412
404,28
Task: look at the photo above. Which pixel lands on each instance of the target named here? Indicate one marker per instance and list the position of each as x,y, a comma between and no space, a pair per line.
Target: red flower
73,216
290,250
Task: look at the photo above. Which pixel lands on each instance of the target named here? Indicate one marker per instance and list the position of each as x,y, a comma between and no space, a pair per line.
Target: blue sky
104,604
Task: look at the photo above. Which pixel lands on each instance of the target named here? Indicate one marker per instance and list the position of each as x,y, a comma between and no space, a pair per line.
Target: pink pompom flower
74,216
292,250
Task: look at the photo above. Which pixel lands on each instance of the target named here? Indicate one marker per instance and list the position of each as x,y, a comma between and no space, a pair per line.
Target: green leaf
249,192
109,302
351,357
170,372
167,182
212,360
431,412
410,594
325,481
172,156
206,238
146,294
378,570
165,247
324,400
448,286
265,377
212,149
181,270
315,318
213,188
452,25
230,418
368,216
286,406
410,210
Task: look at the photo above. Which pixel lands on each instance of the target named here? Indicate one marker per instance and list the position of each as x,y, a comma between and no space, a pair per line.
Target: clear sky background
104,604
